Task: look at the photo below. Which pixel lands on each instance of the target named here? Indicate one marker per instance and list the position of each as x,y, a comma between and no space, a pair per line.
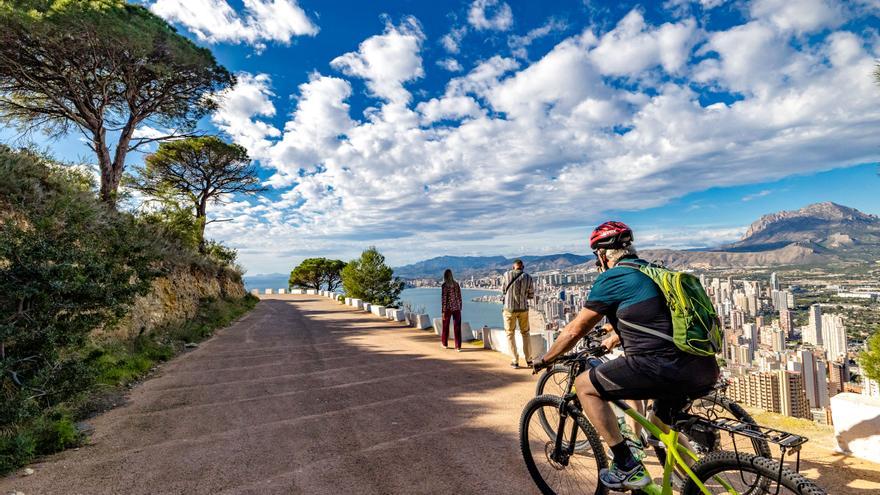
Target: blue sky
512,127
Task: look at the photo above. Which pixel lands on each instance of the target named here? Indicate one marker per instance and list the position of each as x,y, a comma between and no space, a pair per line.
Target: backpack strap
642,328
629,264
518,275
647,330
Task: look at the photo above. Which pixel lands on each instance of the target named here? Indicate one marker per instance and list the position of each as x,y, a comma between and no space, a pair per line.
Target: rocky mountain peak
813,222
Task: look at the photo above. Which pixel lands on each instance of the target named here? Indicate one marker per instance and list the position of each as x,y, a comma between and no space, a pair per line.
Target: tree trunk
111,171
109,184
201,220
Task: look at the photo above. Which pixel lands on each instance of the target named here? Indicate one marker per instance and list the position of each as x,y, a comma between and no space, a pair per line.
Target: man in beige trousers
518,288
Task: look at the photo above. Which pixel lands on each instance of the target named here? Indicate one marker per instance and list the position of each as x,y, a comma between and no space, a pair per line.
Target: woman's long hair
447,278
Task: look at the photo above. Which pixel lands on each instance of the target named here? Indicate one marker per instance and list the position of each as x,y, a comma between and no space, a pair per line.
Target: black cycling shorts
671,381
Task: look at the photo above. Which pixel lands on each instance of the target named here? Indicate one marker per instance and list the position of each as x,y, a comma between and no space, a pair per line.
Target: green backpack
695,326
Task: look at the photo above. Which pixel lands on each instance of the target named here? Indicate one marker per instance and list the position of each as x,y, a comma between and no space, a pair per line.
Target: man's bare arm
574,331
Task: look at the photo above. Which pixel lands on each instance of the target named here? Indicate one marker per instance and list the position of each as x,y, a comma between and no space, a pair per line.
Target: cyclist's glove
538,365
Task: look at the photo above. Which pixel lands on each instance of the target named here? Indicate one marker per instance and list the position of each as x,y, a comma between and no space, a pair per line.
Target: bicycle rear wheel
579,473
747,474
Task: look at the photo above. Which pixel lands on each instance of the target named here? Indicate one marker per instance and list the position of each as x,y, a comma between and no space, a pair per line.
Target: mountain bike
556,379
567,457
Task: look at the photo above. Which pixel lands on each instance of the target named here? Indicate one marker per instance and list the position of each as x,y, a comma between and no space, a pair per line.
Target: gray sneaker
616,478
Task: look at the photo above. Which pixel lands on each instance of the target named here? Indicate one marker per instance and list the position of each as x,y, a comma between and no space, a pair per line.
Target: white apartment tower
813,330
833,336
815,376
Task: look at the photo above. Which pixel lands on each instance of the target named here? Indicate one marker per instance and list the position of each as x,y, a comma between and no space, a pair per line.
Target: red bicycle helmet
611,235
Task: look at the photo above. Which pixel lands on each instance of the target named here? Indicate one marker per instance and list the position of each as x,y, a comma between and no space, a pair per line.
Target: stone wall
173,299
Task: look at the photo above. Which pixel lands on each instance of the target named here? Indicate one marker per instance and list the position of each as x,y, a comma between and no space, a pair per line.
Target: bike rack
788,442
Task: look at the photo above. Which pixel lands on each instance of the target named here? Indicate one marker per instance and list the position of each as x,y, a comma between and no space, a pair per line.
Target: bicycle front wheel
553,381
729,473
575,472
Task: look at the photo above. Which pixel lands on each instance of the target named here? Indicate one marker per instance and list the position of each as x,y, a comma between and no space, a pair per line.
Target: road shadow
306,396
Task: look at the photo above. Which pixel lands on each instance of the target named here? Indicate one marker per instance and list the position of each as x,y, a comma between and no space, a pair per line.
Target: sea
475,313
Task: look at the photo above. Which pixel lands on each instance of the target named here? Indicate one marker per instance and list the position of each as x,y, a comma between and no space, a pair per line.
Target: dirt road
304,395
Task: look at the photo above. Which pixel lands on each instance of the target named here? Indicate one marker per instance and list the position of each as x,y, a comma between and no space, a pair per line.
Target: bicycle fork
562,454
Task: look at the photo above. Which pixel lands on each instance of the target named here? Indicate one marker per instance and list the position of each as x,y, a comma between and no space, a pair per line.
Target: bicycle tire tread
583,423
715,462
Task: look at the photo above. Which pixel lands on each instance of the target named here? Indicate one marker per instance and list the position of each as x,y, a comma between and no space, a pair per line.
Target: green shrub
54,433
16,449
69,265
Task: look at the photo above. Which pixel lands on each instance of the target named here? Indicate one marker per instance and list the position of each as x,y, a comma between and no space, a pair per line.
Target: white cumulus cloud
215,21
387,60
531,154
490,14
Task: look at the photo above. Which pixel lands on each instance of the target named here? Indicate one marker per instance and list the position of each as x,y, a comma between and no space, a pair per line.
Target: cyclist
652,368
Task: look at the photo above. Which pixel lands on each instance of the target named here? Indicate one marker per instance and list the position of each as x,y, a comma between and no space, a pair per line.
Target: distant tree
105,68
370,279
869,359
318,274
199,171
333,273
307,274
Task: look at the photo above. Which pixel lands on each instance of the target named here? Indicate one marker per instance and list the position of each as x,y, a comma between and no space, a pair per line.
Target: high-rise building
774,281
775,391
813,330
779,299
833,336
752,304
785,321
838,377
777,340
750,334
736,318
815,376
792,396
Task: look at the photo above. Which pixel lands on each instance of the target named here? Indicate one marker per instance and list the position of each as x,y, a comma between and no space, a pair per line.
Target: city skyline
508,127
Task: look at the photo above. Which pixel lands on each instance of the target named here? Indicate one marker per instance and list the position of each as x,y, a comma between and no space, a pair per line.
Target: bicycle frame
676,452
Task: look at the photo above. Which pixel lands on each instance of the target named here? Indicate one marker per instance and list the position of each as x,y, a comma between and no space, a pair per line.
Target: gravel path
304,395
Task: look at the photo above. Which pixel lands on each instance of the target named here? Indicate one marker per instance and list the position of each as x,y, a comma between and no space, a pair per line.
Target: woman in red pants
451,307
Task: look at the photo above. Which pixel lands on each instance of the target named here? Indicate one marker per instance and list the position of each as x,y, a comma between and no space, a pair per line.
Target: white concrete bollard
423,321
379,310
396,315
348,301
498,342
857,425
366,307
438,325
282,291
484,335
312,292
268,291
255,292
466,332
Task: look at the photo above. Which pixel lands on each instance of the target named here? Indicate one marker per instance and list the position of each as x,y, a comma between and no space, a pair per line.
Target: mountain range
819,233
465,266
